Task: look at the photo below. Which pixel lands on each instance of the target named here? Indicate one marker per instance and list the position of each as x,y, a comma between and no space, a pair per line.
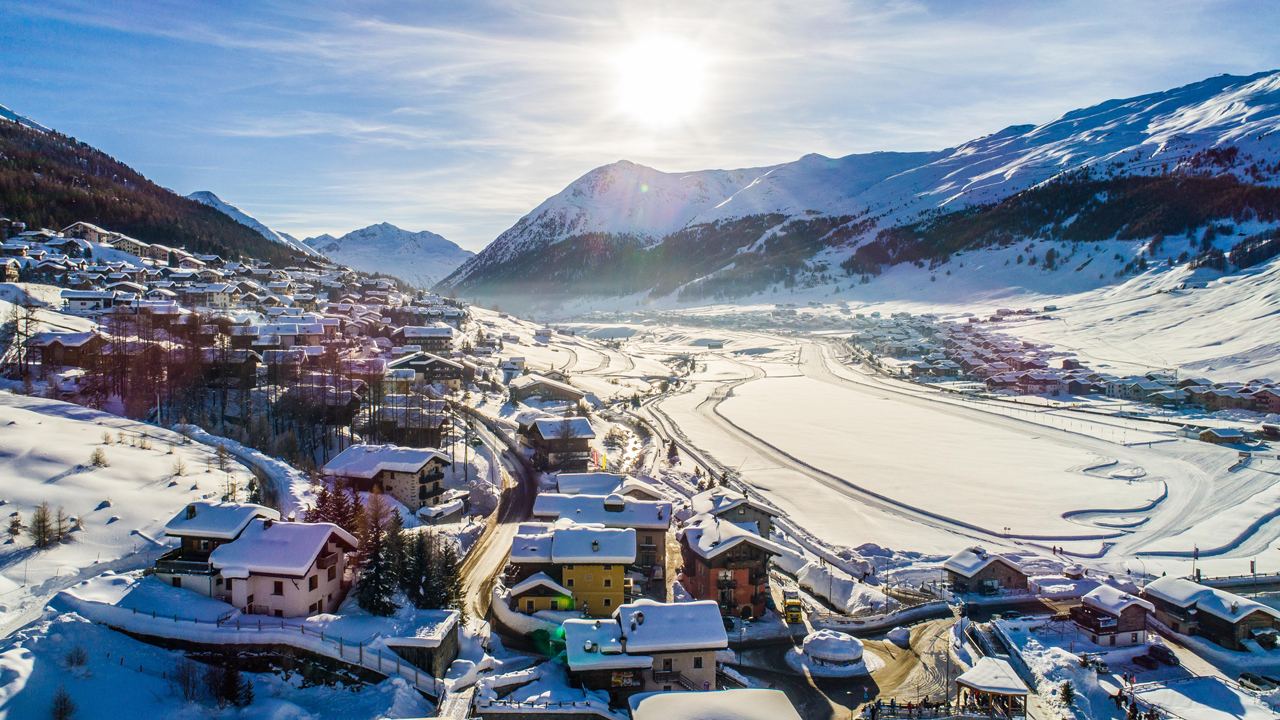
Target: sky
460,117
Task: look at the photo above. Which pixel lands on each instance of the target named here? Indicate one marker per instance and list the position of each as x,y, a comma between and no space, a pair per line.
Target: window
204,544
313,582
248,600
568,582
279,613
177,582
608,602
528,605
608,582
608,567
277,588
1133,637
333,572
666,664
218,581
697,663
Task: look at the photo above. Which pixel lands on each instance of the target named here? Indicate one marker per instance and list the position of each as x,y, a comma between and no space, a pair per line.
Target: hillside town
422,501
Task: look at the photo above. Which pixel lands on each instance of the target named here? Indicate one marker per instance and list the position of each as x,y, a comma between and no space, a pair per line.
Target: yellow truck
792,608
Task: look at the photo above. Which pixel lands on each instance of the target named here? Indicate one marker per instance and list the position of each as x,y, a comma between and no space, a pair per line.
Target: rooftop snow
993,675
709,536
561,428
611,511
1114,601
366,461
1220,603
222,521
278,548
971,560
650,626
597,645
588,483
737,704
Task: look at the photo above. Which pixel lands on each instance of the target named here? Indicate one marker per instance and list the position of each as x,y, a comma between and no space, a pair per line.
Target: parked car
1256,682
1146,661
1164,655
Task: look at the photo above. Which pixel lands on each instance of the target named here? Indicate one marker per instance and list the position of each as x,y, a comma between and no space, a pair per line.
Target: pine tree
1068,692
322,511
41,529
15,527
378,581
397,550
448,576
417,569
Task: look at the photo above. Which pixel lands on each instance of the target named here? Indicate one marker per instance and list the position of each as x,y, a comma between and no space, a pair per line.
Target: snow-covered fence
223,631
583,707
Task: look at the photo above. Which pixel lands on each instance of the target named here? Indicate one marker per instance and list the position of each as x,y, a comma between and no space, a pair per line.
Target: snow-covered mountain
420,258
623,228
12,116
208,198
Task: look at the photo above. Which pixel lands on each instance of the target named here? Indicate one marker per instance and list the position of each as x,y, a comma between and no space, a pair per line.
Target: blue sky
459,117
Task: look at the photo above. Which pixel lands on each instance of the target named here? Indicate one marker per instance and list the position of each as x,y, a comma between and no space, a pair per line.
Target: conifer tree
41,529
377,584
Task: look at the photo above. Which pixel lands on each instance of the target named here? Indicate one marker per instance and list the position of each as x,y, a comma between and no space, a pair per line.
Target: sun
660,80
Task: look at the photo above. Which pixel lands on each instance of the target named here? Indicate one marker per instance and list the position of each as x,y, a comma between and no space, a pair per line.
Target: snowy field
45,449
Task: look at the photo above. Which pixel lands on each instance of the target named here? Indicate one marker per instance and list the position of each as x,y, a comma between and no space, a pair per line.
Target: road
488,556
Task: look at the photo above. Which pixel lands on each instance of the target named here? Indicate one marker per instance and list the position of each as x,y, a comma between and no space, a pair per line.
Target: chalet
1222,436
1112,617
1267,400
418,425
976,570
647,646
432,338
87,302
1193,609
9,270
539,592
650,520
413,476
737,508
200,528
283,365
431,369
55,348
323,402
588,561
544,388
285,569
561,443
726,563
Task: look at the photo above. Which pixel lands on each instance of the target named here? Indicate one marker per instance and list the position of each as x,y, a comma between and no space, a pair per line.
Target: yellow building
589,561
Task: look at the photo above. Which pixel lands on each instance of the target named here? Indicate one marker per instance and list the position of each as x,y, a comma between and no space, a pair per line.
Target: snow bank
290,487
840,590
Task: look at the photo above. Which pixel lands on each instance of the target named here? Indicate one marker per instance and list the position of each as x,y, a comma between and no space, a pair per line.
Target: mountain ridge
417,257
626,212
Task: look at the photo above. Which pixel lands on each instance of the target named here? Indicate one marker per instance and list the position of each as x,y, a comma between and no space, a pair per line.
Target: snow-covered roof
366,461
993,675
430,628
533,379
720,500
277,548
1114,601
531,544
588,483
709,536
539,579
610,511
593,545
650,626
423,331
597,645
735,704
219,521
1184,593
66,339
970,561
561,428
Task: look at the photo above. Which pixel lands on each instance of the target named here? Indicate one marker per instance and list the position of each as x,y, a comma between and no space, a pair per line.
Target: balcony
174,563
726,583
327,561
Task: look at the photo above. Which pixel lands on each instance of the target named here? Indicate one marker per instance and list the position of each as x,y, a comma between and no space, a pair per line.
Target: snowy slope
420,258
208,198
1226,125
7,114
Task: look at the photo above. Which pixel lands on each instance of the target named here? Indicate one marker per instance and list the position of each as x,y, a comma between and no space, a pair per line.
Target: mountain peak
420,258
208,197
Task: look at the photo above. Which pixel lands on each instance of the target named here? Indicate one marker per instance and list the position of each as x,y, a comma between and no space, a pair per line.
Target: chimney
191,511
595,546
